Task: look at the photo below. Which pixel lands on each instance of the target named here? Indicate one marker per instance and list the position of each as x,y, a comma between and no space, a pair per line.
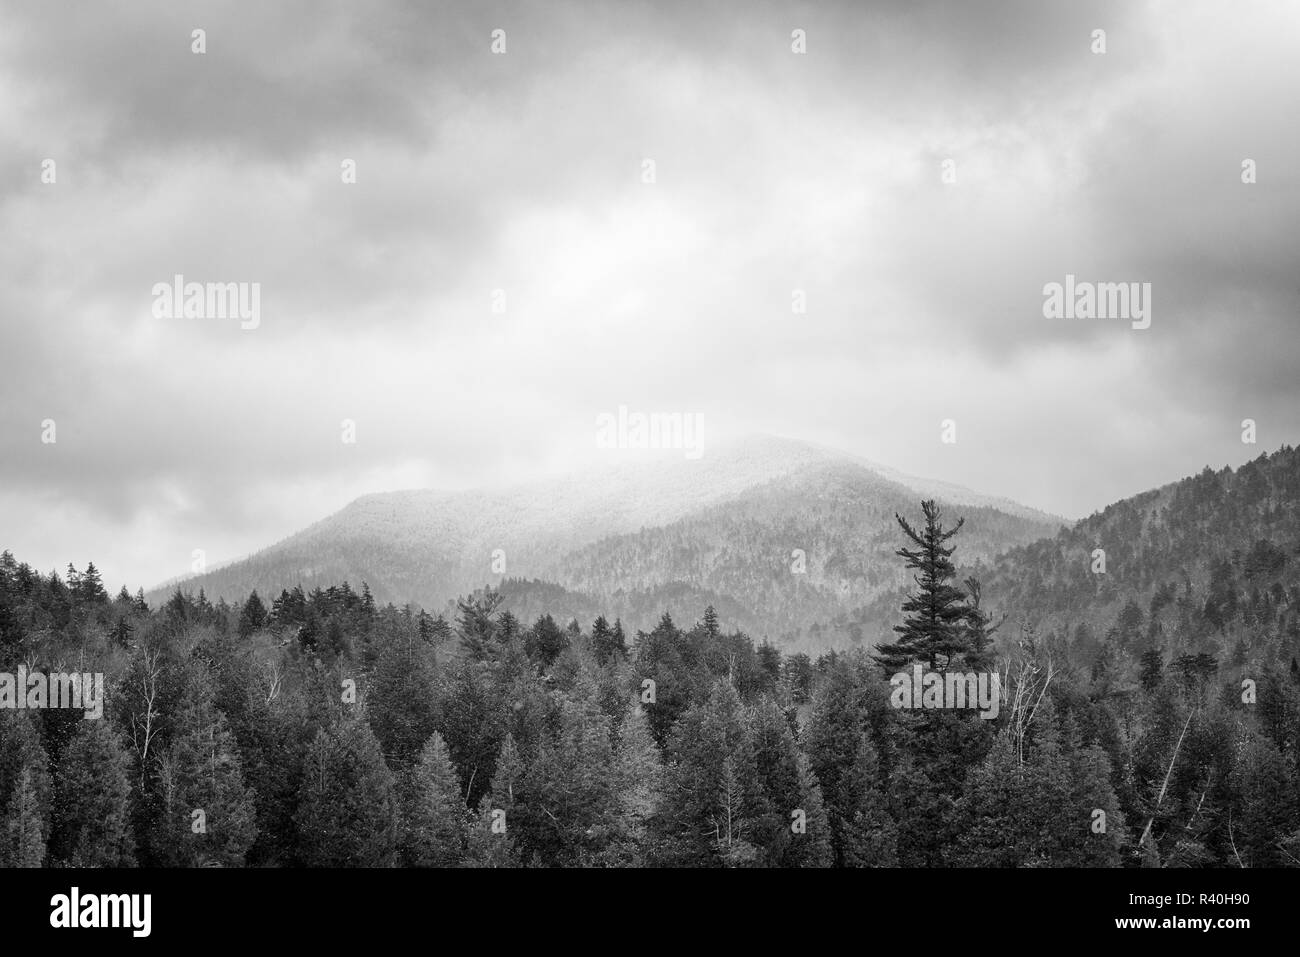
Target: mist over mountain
785,538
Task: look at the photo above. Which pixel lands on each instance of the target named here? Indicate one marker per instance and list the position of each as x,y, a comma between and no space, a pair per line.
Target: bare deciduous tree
144,723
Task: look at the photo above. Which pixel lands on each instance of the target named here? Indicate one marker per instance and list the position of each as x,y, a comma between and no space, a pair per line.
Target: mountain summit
776,532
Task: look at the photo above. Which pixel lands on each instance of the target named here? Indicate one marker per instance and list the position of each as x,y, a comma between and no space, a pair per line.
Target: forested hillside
1208,566
794,556
1210,560
790,537
321,728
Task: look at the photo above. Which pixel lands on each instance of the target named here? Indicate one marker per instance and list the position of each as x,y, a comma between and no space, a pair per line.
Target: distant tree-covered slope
646,536
797,552
1207,565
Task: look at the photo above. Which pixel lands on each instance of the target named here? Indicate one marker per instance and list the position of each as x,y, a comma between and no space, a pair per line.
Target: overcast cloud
523,172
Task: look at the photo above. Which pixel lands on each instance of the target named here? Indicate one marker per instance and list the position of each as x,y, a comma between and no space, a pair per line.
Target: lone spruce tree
934,631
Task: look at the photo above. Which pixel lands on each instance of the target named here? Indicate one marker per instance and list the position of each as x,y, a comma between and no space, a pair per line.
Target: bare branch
1165,786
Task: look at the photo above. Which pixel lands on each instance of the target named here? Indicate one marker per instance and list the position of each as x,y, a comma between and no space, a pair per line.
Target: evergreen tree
433,814
433,631
309,635
607,643
275,741
638,787
1279,712
769,666
788,815
711,622
92,823
934,630
252,616
92,585
978,654
798,675
992,826
24,826
472,724
336,642
23,759
403,701
845,762
571,812
1270,805
491,840
868,834
1096,840
1056,826
121,633
922,813
546,640
1153,663
439,630
813,846
711,771
508,628
478,626
347,811
207,815
667,659
1056,809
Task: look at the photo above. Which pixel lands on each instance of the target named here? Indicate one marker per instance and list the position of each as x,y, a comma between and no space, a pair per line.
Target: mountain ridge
428,546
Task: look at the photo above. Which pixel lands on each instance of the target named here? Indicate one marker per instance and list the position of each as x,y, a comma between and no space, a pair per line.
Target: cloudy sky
523,172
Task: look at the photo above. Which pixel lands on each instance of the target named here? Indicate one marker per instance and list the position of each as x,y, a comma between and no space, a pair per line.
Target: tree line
320,729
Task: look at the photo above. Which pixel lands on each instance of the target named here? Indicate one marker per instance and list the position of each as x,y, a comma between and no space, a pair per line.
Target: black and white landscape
659,434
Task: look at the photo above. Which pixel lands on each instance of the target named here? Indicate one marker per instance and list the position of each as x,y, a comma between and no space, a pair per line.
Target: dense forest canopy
1150,716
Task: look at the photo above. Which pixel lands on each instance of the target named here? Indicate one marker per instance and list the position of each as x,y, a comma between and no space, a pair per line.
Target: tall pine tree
934,629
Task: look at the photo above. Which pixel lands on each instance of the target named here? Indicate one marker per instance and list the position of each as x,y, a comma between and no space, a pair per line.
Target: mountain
1209,565
643,537
801,553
